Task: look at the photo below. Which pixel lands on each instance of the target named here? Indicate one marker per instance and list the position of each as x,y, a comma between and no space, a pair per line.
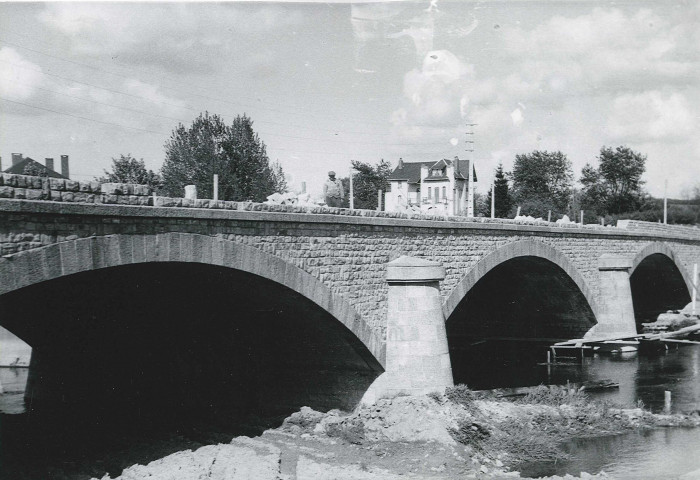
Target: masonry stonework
346,251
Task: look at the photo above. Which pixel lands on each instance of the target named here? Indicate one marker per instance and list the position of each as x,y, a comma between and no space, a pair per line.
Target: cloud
605,49
607,77
170,36
651,116
18,76
435,91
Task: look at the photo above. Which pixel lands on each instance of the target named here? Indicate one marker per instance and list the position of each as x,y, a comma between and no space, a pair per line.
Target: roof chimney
64,166
49,163
0,164
400,163
16,158
456,165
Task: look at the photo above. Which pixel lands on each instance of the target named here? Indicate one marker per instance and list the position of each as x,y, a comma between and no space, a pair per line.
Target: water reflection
641,377
656,454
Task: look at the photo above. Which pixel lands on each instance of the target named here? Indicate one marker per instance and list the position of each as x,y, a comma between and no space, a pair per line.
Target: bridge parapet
24,187
659,228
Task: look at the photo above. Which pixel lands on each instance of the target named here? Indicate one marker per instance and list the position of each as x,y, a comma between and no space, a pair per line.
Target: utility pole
470,165
665,201
352,193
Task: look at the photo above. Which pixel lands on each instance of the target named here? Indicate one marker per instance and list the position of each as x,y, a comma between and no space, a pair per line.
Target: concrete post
417,355
615,310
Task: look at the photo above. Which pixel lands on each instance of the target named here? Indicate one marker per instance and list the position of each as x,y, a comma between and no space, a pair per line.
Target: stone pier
615,310
417,355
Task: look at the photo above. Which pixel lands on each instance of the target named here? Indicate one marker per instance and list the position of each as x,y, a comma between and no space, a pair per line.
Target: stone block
35,182
113,189
72,186
68,196
107,198
95,187
614,262
164,202
187,202
7,192
35,194
142,190
20,193
58,184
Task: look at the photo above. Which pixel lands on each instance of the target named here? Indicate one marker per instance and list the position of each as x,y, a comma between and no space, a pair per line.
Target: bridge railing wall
659,228
24,187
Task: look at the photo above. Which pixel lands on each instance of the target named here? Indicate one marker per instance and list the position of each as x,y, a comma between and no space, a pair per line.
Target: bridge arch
658,282
513,303
662,249
38,265
521,248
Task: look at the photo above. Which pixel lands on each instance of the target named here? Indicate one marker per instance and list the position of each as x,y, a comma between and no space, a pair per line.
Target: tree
193,155
542,181
504,202
593,192
367,180
126,169
621,170
616,185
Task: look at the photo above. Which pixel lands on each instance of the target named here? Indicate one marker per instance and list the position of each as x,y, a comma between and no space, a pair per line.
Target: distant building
436,187
28,166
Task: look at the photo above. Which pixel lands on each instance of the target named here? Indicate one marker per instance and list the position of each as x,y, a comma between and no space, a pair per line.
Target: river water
657,454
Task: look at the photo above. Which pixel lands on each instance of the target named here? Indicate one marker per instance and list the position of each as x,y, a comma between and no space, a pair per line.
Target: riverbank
461,434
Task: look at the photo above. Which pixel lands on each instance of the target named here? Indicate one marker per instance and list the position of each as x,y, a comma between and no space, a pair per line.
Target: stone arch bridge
305,306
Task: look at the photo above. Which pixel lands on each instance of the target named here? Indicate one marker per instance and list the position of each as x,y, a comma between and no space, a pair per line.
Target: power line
324,152
189,86
81,117
261,132
118,92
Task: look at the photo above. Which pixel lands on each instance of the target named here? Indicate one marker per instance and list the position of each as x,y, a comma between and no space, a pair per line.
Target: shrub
435,396
470,433
461,395
348,430
554,396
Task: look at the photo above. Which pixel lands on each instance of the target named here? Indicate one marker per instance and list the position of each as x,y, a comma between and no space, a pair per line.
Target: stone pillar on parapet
615,313
417,355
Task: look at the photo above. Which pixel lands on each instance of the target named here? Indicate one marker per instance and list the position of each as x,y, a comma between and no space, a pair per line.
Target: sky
326,83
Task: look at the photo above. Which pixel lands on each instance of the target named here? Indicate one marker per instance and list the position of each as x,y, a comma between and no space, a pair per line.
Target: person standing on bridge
333,191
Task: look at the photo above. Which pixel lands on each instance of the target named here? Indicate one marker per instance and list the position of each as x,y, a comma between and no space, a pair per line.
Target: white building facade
440,187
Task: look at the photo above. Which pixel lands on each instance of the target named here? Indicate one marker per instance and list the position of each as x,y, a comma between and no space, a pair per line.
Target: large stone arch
41,264
521,248
658,282
663,249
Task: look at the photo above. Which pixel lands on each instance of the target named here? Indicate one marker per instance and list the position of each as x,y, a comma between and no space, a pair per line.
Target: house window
444,193
430,192
437,194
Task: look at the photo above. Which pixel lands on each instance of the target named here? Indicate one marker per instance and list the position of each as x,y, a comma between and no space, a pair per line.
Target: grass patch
554,396
461,395
470,433
524,443
348,430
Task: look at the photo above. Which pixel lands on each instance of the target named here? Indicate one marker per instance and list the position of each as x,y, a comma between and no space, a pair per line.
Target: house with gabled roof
22,165
435,187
